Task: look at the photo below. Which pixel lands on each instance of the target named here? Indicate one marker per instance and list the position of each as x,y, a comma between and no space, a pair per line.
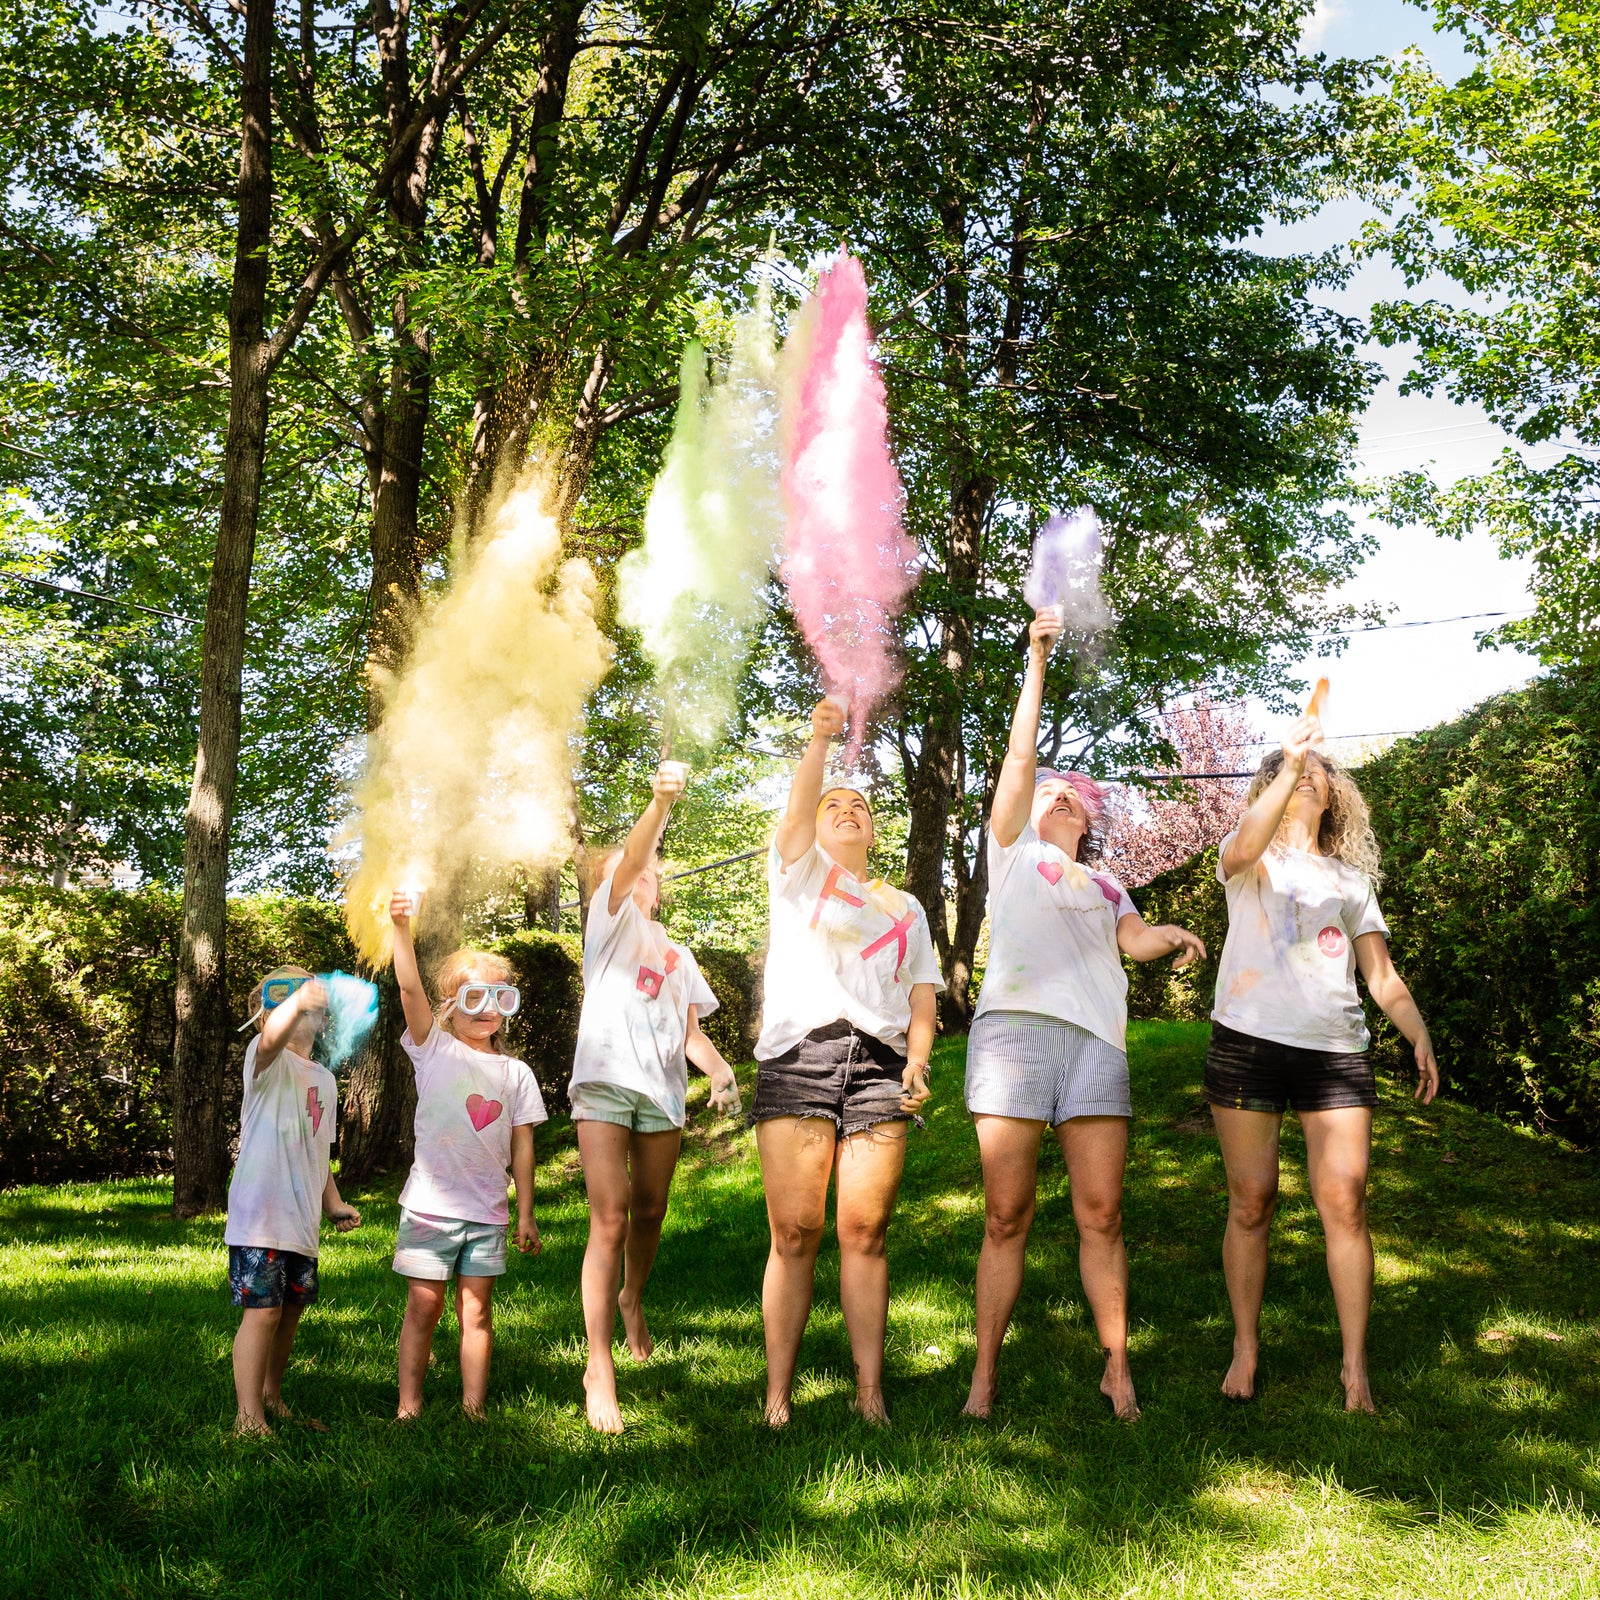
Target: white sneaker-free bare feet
777,1412
640,1345
1358,1392
1117,1386
980,1399
870,1407
600,1391
1239,1382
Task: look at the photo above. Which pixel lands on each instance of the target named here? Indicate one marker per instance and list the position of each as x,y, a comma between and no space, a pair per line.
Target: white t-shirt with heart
840,950
1053,938
638,985
290,1110
468,1101
1288,968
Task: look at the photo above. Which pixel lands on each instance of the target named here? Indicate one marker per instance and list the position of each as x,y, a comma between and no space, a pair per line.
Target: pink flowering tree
1151,832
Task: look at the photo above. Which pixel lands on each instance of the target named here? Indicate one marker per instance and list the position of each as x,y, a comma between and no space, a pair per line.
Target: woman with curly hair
1048,1045
1301,874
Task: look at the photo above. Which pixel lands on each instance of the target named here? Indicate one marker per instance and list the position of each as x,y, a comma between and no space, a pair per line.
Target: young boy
281,1188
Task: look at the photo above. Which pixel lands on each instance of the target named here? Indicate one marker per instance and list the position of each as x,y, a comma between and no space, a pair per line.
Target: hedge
87,980
1490,828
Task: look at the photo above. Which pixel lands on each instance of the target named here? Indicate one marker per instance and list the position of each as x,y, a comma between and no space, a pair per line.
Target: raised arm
413,997
1388,988
798,830
639,848
282,1020
1013,794
1259,825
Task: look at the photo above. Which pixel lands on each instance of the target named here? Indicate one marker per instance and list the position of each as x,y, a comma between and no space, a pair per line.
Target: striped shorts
1021,1064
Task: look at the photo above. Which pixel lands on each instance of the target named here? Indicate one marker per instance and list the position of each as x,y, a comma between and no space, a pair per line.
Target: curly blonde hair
1345,831
463,966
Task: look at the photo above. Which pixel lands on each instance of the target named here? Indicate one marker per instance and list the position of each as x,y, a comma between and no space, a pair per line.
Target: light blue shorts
595,1101
441,1248
1021,1064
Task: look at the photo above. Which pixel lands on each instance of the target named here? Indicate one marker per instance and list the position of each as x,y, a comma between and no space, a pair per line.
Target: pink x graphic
832,891
899,935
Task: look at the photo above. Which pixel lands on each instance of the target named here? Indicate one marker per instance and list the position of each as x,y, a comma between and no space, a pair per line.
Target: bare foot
777,1413
980,1399
870,1407
600,1388
251,1427
640,1345
408,1416
1117,1386
1358,1393
473,1410
1239,1382
281,1413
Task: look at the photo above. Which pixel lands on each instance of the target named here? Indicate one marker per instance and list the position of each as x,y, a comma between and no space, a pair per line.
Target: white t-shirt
638,986
1053,938
468,1101
285,1136
1288,969
840,950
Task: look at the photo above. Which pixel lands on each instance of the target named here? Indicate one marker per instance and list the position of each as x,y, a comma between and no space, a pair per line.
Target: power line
1427,622
105,599
688,872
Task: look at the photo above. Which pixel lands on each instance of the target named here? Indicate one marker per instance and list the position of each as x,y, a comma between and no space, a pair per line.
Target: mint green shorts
627,1108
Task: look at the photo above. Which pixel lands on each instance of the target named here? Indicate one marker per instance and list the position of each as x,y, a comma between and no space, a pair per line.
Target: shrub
87,979
1490,829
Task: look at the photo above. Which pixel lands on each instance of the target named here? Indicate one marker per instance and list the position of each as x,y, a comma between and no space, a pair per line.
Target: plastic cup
1057,614
840,700
678,769
413,896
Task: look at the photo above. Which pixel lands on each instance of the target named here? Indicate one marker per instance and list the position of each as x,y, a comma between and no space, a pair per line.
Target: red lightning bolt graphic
314,1109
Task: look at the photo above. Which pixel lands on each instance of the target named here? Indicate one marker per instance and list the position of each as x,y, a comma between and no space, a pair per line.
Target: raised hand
1045,629
1300,740
668,784
827,719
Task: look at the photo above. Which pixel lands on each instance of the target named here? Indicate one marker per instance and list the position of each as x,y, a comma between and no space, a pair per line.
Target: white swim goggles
474,999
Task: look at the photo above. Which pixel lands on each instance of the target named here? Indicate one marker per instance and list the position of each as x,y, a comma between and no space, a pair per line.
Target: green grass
1481,1475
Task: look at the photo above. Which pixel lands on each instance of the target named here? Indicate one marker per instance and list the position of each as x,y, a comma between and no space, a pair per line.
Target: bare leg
652,1158
603,1147
1010,1150
867,1167
252,1363
282,1345
1249,1142
1338,1153
475,1318
1096,1153
796,1161
424,1307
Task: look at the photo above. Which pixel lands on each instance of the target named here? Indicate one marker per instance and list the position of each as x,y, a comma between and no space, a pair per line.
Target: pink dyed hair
1092,794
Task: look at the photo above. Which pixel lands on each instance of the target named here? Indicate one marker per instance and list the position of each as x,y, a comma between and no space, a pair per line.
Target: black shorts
836,1072
1250,1074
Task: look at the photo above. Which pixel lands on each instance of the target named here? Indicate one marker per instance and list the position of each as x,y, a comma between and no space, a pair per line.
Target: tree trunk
541,900
202,1043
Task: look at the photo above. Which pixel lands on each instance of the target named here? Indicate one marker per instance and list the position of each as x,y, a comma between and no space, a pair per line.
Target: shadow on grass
115,1388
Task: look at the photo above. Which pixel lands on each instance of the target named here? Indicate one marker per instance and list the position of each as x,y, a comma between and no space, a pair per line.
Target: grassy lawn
1481,1475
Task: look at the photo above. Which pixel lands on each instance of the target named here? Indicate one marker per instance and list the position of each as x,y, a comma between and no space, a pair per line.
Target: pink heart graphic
671,963
1331,941
1052,872
482,1111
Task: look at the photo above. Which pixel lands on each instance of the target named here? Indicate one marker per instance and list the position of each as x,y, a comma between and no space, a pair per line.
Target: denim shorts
262,1278
445,1247
595,1101
1022,1064
847,1077
1249,1074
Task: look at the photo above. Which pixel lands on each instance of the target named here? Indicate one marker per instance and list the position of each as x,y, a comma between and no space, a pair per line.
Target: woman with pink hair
1048,1044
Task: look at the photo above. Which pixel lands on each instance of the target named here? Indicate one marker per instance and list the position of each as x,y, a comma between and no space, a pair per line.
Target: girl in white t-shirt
1048,1044
282,1187
842,1062
643,997
476,1112
1288,1031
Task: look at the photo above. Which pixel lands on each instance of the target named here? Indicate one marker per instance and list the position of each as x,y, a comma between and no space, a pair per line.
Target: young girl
476,1110
281,1188
847,1025
643,997
1048,1045
1287,1030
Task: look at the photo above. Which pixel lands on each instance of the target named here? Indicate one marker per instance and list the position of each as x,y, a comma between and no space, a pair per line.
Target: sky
1410,678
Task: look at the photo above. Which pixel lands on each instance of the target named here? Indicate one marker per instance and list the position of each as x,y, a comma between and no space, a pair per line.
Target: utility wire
107,599
688,872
